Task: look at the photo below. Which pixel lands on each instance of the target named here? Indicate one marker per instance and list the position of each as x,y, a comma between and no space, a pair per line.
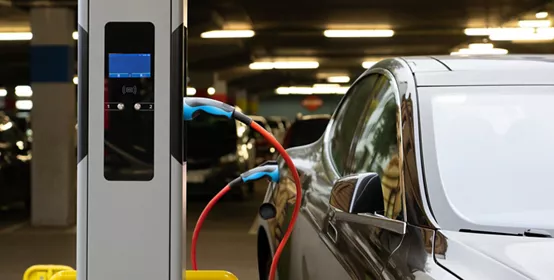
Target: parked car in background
277,127
305,130
218,150
286,123
15,165
430,168
264,150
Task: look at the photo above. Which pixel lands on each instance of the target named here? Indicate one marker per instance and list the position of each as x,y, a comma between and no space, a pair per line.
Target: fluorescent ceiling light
23,91
338,79
491,51
535,23
211,91
526,34
3,92
521,37
368,64
316,89
358,33
541,15
16,36
489,31
228,34
191,91
284,65
75,80
481,46
24,104
75,35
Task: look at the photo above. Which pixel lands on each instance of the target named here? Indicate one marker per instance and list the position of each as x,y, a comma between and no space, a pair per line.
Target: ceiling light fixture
361,33
191,91
524,34
75,35
3,92
522,37
338,79
284,65
480,49
541,15
228,34
536,23
489,31
16,36
481,46
23,91
211,91
24,104
75,80
315,89
368,64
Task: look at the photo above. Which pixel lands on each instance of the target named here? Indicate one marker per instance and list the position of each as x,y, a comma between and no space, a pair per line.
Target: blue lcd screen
129,65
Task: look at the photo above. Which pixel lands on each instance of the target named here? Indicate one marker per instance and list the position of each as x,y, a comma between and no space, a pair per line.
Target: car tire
264,257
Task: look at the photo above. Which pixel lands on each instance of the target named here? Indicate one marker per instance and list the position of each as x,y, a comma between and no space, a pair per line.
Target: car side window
376,148
347,119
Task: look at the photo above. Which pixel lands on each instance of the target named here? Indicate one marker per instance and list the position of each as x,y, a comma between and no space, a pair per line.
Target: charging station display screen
129,101
129,65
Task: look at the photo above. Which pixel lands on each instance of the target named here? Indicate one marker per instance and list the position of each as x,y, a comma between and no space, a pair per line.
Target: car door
313,256
375,149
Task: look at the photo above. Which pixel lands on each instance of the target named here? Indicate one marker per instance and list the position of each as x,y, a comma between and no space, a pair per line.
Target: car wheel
264,256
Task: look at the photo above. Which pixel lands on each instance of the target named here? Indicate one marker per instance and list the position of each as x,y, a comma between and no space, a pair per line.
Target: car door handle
332,232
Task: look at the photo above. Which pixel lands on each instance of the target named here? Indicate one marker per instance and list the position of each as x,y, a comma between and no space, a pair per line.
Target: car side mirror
359,198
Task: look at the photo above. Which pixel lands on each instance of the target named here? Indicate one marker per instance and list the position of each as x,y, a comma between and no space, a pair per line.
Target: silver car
430,168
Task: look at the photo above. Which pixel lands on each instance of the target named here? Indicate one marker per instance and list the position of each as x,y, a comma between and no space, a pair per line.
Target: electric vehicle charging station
131,191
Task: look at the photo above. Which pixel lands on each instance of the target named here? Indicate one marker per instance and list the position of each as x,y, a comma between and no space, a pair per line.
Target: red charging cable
200,222
273,270
296,211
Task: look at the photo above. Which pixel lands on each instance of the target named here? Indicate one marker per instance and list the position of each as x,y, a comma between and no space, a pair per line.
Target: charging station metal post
131,204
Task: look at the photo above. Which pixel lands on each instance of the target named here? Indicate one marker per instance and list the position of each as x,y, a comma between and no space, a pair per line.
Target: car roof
482,70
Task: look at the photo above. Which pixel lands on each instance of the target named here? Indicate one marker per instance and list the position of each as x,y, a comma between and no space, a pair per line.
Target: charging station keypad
129,101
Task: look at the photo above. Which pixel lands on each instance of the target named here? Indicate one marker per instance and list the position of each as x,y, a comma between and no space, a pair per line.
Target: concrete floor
227,241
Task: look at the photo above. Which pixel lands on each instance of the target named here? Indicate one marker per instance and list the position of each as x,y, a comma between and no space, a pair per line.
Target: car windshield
488,155
305,132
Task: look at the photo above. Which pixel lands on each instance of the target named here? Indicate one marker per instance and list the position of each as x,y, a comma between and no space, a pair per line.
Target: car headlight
228,158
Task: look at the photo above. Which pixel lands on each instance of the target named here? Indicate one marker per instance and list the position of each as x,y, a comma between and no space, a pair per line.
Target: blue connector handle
269,170
192,106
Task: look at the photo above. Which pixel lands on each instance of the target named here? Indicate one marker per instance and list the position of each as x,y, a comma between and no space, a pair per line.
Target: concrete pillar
53,175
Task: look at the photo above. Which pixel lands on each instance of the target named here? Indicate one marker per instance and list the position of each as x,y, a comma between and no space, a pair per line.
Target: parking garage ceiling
292,30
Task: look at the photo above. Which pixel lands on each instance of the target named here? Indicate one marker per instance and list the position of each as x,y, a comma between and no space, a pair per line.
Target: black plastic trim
178,55
82,94
242,118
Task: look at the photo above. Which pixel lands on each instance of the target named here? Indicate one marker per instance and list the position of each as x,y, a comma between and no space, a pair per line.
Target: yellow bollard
62,272
65,275
43,271
208,275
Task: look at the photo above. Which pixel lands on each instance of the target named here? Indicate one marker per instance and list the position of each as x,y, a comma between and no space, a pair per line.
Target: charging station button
144,106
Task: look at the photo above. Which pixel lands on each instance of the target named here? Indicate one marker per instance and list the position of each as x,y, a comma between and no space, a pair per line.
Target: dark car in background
430,168
218,150
305,130
15,165
264,150
277,127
